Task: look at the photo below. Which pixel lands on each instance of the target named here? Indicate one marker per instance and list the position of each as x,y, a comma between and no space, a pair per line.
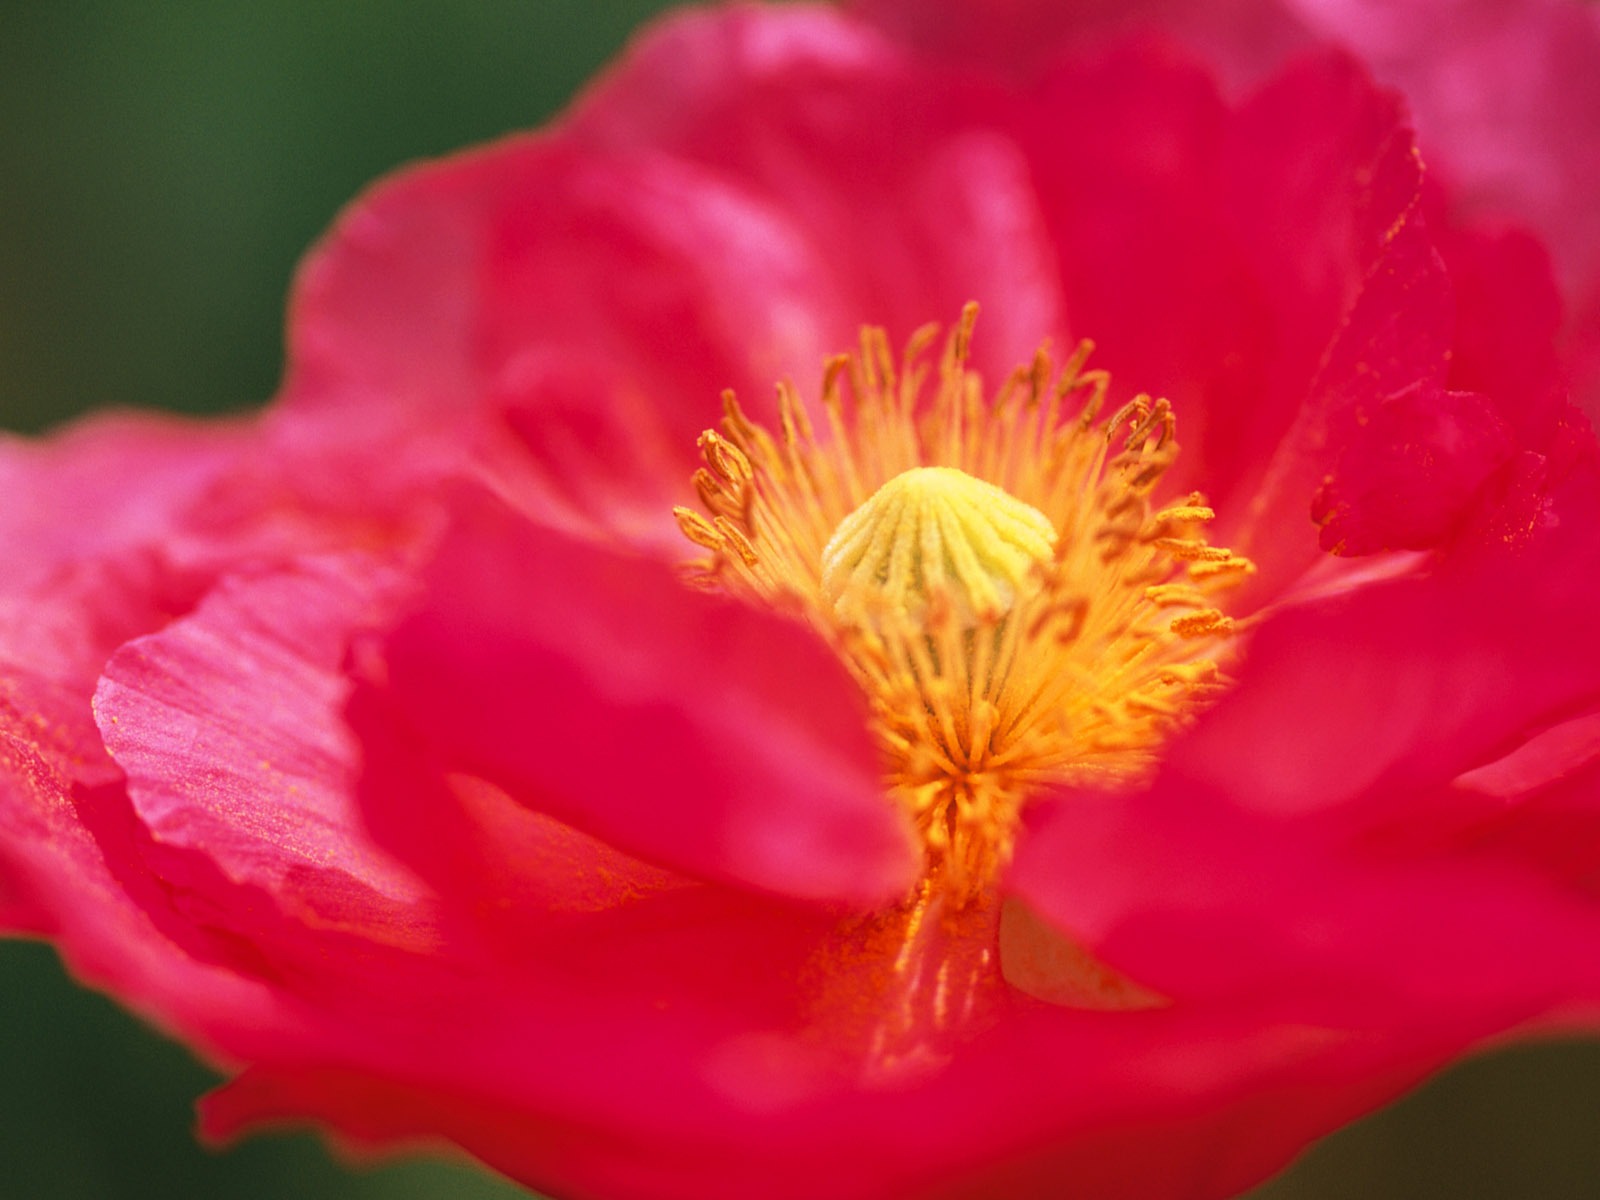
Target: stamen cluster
992,571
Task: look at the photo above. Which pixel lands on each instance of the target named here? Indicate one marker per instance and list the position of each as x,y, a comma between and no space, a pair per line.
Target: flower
1016,802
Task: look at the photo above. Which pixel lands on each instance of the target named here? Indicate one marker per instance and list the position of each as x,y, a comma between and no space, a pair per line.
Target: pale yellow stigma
933,536
995,573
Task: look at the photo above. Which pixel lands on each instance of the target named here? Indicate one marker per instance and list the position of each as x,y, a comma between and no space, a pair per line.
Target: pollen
993,569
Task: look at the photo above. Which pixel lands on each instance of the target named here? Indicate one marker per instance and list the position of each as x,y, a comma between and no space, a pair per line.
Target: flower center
993,572
934,537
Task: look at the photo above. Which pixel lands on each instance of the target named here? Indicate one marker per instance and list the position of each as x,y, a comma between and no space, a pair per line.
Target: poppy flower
865,611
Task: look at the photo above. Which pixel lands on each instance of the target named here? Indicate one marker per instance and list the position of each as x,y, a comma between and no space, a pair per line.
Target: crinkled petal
455,296
84,535
1265,267
1375,284
1524,147
226,724
1507,345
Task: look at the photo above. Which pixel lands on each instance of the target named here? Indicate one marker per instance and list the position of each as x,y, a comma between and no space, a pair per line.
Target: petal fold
720,740
226,724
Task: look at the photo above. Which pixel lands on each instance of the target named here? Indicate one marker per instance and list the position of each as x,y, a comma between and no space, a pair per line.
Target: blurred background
162,167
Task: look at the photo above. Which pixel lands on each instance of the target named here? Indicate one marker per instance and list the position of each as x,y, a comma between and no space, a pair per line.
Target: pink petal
1322,784
441,304
1246,37
69,854
912,213
1508,327
1410,471
1527,144
1523,147
1539,806
226,723
500,868
1264,268
86,534
1166,1104
480,294
712,737
1374,287
1149,269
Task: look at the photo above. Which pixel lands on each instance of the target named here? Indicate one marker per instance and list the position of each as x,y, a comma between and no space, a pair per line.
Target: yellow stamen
992,571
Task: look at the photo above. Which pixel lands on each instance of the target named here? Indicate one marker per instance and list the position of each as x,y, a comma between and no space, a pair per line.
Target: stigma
995,572
934,536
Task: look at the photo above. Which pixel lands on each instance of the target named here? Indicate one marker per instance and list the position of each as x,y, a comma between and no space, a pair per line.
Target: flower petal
720,740
1508,326
1326,781
1285,280
226,723
69,854
915,212
1528,147
1246,37
88,534
1410,472
1156,1105
1375,315
482,293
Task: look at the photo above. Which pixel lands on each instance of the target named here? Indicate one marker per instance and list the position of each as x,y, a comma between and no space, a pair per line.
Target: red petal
87,535
1374,304
894,173
1540,806
227,725
83,535
1265,269
441,303
756,231
69,853
1153,1106
723,741
1410,471
1297,848
1507,99
1508,325
499,867
1246,37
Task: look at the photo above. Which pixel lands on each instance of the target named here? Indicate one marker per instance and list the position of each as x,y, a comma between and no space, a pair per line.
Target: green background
163,163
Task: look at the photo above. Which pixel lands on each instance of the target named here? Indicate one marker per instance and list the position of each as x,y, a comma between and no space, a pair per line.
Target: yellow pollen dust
993,571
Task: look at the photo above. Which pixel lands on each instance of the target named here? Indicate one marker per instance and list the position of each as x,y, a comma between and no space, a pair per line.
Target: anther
1202,624
697,529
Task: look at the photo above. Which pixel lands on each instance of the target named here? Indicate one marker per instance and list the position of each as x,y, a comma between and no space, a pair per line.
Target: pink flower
1015,803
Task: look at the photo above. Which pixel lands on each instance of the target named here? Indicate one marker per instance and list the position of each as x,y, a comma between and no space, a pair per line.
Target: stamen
993,572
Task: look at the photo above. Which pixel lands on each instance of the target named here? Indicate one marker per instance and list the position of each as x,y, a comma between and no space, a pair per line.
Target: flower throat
991,571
